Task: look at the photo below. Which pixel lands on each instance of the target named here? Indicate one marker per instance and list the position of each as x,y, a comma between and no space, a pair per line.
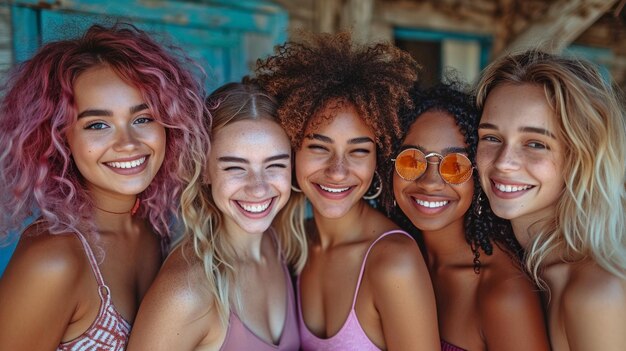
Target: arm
404,296
594,314
511,314
38,294
175,314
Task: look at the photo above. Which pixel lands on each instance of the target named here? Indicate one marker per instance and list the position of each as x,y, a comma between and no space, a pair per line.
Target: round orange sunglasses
454,168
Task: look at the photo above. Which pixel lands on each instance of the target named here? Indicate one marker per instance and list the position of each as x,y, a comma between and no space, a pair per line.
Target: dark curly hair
482,226
309,75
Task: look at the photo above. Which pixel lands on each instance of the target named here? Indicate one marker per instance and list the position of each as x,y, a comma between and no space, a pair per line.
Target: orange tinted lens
455,168
410,164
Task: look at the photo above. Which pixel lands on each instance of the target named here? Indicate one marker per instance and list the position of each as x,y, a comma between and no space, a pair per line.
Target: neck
247,246
336,231
113,212
447,246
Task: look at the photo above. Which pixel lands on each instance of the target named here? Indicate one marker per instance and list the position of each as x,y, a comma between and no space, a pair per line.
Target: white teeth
129,164
511,188
334,190
431,204
256,208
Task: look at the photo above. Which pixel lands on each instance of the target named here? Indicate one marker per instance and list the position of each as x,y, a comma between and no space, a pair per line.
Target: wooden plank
325,14
564,21
425,15
357,15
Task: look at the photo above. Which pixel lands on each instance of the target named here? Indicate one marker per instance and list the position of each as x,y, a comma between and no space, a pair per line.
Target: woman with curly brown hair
365,285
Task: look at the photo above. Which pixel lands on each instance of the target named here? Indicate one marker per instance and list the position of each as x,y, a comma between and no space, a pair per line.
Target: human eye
233,169
490,138
277,165
317,148
537,145
96,126
361,152
143,119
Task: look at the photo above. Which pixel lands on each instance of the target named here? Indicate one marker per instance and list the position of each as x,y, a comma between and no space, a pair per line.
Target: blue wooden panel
255,19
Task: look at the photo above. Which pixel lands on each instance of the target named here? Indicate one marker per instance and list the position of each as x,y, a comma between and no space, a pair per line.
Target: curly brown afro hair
318,70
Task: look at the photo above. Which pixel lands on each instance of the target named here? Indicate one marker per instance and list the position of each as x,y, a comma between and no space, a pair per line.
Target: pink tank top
109,331
350,336
239,337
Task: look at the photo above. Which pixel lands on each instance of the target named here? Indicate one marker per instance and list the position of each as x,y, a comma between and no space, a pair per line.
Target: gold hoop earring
376,187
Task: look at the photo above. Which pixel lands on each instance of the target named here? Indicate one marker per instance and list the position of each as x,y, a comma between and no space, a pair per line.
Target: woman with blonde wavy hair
226,285
550,156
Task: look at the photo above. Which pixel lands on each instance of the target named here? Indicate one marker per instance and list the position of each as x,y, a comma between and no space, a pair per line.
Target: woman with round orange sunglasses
483,301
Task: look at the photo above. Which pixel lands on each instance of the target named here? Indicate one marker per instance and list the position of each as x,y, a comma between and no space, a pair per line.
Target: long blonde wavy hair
203,222
590,221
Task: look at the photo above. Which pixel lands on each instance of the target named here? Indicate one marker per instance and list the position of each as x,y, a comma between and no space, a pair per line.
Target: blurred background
227,37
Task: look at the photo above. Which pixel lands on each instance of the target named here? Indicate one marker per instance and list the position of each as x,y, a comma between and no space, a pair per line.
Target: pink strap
358,284
92,261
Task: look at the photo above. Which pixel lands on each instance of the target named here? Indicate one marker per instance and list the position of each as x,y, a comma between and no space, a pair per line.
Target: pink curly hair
36,170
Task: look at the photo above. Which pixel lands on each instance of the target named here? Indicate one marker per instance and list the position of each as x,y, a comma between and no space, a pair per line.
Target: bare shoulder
395,256
40,290
505,286
179,283
510,307
50,259
601,297
176,312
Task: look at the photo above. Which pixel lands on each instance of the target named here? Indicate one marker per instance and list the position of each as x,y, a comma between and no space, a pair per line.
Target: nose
431,179
126,140
337,169
507,159
257,185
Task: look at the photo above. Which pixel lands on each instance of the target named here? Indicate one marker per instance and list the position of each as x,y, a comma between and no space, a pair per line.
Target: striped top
109,331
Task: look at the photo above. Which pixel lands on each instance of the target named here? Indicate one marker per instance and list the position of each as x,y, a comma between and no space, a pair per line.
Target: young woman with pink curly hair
100,137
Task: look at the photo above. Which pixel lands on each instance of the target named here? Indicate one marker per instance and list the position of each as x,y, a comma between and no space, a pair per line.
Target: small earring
377,187
294,188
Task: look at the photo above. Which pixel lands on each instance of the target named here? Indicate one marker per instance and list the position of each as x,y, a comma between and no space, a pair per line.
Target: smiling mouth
255,207
128,164
505,188
333,190
431,204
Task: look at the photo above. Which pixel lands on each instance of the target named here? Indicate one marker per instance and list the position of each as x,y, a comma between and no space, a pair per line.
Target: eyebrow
243,160
325,139
444,152
109,113
535,130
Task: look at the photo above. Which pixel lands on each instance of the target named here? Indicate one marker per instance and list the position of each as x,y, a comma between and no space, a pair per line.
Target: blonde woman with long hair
551,156
226,285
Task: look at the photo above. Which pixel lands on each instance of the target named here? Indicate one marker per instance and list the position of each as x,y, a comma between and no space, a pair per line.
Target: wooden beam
425,15
325,13
357,16
564,21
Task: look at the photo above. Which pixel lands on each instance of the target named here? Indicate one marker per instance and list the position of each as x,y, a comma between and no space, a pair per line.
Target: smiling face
519,157
116,144
250,172
428,201
336,163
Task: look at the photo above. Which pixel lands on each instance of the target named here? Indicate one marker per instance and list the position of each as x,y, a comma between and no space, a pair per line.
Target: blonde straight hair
203,222
590,221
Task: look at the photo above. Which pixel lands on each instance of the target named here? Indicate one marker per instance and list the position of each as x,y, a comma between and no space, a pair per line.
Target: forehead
434,130
340,120
256,137
512,106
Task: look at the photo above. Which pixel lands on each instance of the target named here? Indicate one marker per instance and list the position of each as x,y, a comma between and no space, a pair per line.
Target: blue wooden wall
225,37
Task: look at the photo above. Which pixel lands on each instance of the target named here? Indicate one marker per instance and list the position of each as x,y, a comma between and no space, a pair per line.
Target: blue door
224,37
